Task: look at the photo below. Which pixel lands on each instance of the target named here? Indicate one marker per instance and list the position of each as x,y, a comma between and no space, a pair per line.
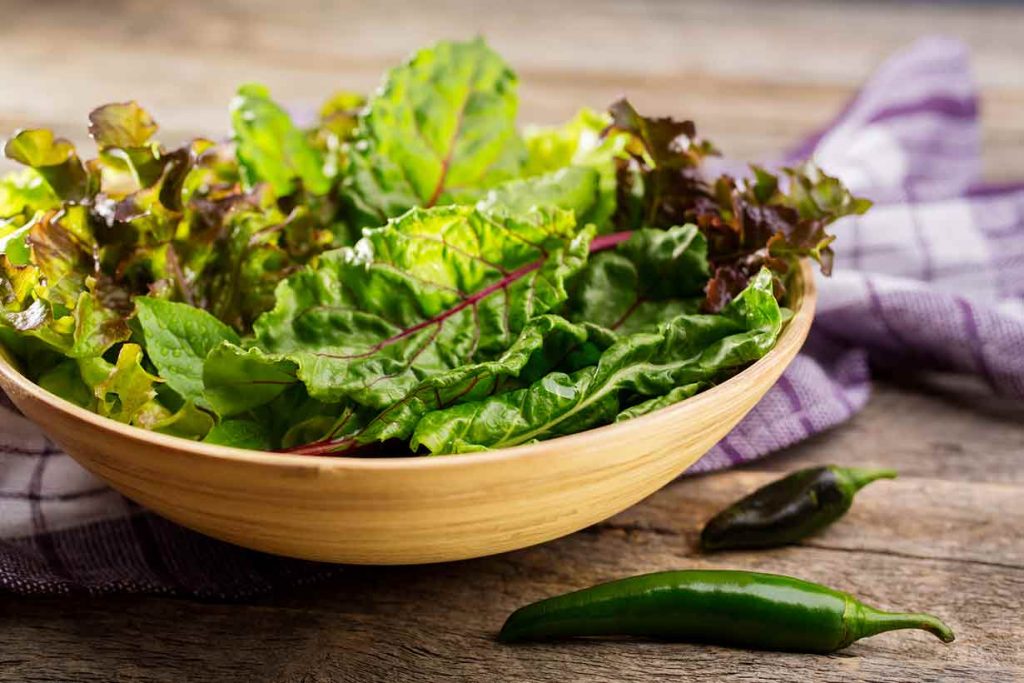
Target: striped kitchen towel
933,275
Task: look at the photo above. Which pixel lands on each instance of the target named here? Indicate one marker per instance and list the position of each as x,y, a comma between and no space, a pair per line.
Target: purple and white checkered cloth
933,275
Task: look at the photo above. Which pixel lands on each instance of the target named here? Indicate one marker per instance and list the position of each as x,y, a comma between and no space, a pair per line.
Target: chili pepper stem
860,477
871,621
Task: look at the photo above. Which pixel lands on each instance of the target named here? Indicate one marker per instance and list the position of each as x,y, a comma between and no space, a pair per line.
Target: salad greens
410,272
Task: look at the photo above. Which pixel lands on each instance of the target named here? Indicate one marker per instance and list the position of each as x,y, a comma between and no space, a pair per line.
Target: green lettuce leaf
188,422
240,434
65,380
63,253
127,392
339,116
97,327
143,220
44,273
14,244
24,193
178,338
270,148
128,388
585,141
55,159
123,125
122,132
686,350
259,248
441,130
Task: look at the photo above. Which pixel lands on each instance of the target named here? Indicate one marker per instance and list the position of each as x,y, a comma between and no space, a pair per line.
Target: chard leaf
297,419
178,338
240,434
270,148
237,380
686,350
441,130
430,291
674,262
546,342
575,188
659,402
653,276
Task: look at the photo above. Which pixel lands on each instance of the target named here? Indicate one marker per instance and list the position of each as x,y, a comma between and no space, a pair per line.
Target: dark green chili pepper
761,611
789,509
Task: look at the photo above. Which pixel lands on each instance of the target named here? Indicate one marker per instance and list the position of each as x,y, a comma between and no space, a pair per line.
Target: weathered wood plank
913,517
799,60
928,540
931,429
824,42
428,623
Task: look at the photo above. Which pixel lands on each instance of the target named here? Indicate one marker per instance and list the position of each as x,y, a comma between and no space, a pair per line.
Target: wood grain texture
924,541
756,76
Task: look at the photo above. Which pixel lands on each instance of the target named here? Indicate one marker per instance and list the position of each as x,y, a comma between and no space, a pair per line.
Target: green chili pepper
789,509
761,611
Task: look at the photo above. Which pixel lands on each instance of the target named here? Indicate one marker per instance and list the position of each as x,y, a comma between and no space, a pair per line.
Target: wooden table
946,536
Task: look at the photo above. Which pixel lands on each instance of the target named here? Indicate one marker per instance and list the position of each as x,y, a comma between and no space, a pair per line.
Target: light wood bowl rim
804,301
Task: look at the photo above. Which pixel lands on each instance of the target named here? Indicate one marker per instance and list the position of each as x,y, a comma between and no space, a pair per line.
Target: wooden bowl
409,510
